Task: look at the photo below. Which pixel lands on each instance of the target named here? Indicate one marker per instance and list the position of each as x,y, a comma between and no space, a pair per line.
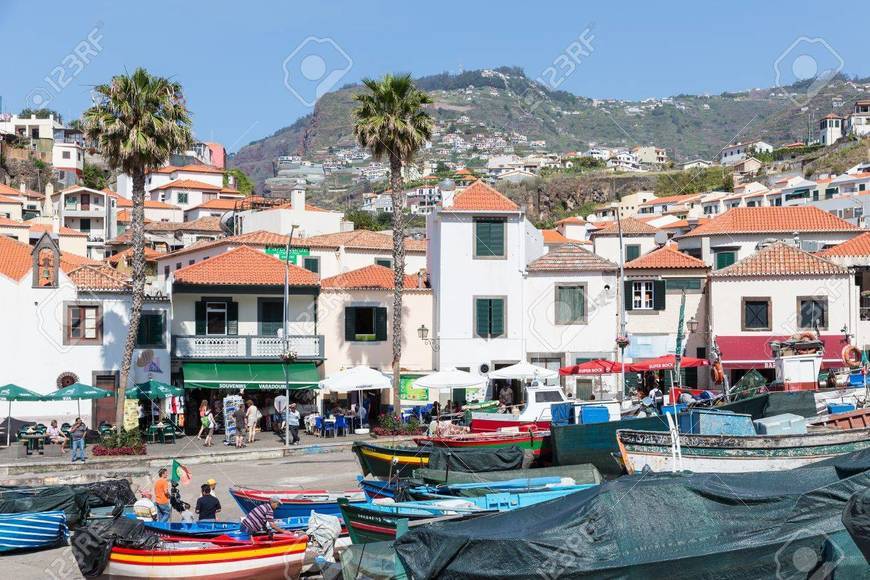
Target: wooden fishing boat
534,414
30,531
376,522
294,503
856,419
278,557
215,529
580,473
734,454
389,462
537,441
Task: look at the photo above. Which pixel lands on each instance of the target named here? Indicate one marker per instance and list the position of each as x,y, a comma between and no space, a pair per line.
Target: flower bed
102,450
390,425
123,443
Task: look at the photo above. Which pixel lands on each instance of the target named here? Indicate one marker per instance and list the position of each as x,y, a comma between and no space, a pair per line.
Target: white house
638,238
671,204
859,119
831,129
855,254
309,220
188,193
212,208
574,228
88,211
695,164
67,156
740,151
159,177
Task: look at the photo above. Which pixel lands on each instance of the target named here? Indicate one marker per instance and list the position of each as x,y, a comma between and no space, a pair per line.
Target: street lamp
423,333
692,325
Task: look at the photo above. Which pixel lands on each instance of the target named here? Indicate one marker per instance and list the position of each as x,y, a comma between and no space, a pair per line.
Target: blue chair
318,425
340,425
329,426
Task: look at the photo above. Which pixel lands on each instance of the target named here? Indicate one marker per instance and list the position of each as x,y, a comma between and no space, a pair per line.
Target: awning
754,352
666,363
250,376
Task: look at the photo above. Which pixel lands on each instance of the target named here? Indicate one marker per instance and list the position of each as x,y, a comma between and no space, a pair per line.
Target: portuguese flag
179,473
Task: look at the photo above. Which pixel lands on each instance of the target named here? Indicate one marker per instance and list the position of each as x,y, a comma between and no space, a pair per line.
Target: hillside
505,100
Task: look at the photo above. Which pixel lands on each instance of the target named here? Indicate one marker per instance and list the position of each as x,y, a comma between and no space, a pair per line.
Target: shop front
740,354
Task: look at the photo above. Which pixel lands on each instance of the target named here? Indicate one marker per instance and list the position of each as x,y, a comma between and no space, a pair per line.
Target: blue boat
30,531
295,503
213,529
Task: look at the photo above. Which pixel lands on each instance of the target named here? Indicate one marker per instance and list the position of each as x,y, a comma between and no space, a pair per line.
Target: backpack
206,421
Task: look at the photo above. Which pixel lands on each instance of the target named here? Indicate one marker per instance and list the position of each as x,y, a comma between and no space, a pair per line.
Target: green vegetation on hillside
839,158
694,180
243,182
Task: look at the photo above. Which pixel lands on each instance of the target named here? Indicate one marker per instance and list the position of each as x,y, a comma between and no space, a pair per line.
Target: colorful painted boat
271,558
376,522
31,531
295,503
537,441
535,412
215,529
389,462
580,473
734,454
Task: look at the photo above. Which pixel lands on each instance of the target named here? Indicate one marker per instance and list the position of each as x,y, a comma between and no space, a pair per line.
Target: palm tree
137,122
390,122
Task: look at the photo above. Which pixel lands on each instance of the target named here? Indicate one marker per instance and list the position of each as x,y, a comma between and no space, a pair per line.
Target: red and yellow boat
536,440
221,558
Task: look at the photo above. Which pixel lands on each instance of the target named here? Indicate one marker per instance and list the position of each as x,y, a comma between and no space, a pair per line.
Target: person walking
203,410
239,419
293,420
77,436
280,406
208,422
161,495
207,506
252,416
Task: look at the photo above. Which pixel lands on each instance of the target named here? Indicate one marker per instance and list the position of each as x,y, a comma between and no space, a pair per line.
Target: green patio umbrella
154,390
76,392
11,393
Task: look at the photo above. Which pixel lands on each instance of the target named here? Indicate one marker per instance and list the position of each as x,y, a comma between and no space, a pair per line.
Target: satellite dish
484,368
228,223
661,238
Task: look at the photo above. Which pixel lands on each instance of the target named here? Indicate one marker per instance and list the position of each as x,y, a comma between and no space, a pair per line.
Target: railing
260,347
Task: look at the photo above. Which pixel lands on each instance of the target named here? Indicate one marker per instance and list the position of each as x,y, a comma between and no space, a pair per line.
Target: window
385,262
813,312
725,258
270,316
571,304
182,197
642,296
65,154
489,234
365,323
85,225
756,314
178,265
632,252
216,317
683,283
311,263
151,330
489,317
166,271
83,324
191,262
549,397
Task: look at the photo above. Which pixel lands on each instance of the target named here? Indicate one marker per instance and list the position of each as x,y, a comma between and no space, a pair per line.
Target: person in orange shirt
161,495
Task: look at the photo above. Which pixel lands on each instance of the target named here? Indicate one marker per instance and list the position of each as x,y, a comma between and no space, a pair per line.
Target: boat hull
537,441
733,454
366,526
492,422
293,505
389,462
32,531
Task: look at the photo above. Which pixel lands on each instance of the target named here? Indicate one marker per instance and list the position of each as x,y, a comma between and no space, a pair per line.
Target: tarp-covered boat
756,525
856,519
391,462
294,503
73,501
31,531
580,473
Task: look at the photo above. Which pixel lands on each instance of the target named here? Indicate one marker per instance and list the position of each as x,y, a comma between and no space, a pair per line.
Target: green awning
250,376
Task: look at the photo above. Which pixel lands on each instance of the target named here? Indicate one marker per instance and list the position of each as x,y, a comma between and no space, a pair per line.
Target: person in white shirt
145,509
280,406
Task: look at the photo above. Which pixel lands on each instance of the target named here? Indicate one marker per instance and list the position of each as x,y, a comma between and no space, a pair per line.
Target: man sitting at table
54,434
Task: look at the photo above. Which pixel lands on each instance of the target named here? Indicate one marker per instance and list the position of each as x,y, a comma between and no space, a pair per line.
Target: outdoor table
158,430
35,442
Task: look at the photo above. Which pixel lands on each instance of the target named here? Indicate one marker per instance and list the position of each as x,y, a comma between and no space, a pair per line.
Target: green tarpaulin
249,376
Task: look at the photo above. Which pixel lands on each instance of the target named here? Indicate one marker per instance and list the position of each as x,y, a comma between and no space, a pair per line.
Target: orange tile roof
359,240
571,258
244,266
574,219
308,207
211,224
857,246
682,224
630,227
151,255
219,204
372,277
189,169
188,184
554,237
481,197
154,204
64,231
667,257
781,259
123,216
9,223
8,190
4,199
120,200
16,259
752,220
96,278
670,199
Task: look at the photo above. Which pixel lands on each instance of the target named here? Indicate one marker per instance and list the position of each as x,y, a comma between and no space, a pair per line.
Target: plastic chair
329,426
340,424
168,433
318,425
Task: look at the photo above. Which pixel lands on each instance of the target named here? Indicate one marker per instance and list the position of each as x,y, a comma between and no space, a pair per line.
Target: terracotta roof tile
554,237
481,197
4,199
360,240
574,219
244,266
571,258
209,224
12,191
64,231
857,246
16,259
10,223
120,200
670,199
683,224
218,204
188,184
630,227
752,220
98,278
781,259
154,204
666,257
123,216
189,169
151,255
308,207
370,277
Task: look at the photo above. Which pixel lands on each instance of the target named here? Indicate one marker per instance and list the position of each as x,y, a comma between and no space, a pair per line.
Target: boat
389,461
537,441
375,522
214,529
534,414
399,462
734,454
294,503
277,557
522,485
579,473
31,531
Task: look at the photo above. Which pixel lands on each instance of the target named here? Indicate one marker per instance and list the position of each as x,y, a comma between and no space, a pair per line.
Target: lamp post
285,342
423,333
622,339
692,325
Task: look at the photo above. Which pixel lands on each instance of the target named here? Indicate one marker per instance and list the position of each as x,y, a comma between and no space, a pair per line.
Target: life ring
851,356
718,373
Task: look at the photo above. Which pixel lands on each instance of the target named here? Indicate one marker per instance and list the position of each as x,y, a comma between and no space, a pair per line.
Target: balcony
94,211
306,347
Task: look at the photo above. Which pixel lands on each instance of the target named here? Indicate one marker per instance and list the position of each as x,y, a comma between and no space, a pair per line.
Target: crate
834,408
594,414
785,424
714,422
669,409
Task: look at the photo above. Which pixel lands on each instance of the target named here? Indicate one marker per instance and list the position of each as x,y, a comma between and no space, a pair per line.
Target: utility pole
285,346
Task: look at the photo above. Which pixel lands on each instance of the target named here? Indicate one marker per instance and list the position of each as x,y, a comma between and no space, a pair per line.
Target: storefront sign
408,392
280,252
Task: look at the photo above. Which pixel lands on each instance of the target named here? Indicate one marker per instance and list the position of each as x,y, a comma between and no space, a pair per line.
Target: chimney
22,187
420,279
297,199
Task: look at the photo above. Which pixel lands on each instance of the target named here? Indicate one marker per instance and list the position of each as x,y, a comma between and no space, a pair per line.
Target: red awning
592,367
666,363
754,352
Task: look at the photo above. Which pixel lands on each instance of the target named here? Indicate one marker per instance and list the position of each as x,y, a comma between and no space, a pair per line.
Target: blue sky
229,56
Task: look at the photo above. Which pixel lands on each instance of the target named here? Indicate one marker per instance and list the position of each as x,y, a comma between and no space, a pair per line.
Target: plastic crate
714,422
669,409
785,424
834,408
594,414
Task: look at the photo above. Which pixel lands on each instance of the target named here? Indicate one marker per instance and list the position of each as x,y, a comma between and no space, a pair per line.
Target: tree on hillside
243,182
137,122
391,122
93,177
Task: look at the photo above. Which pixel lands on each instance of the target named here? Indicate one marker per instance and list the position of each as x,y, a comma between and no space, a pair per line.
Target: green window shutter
563,305
724,259
311,264
481,317
626,295
632,252
380,324
489,238
497,316
143,332
658,295
200,317
579,294
232,318
496,238
349,323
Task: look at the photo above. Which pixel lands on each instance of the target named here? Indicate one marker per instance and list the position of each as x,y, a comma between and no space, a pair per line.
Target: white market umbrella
449,379
356,379
524,371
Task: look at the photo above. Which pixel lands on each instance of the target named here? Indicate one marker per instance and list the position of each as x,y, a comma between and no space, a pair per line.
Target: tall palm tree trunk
137,223
398,273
